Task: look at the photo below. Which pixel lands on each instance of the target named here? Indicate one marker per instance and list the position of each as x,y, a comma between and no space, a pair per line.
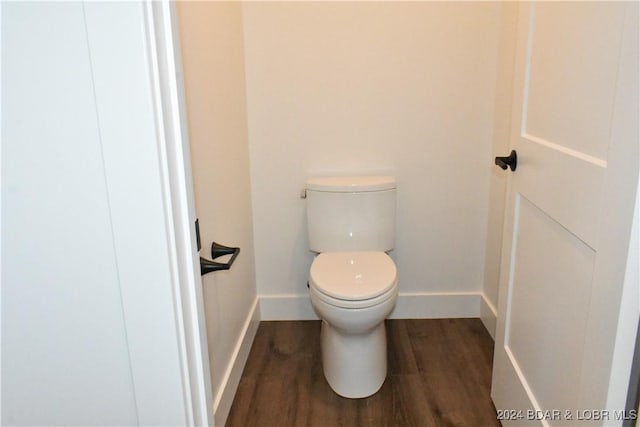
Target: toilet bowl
353,292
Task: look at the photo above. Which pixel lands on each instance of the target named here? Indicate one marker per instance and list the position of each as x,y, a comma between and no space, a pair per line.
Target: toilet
353,283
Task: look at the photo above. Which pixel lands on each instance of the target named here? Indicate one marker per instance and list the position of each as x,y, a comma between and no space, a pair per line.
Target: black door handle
511,161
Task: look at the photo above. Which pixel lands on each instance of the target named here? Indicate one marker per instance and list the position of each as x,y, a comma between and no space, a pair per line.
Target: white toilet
353,283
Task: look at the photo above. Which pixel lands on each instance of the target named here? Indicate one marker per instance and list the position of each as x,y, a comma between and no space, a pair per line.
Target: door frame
164,66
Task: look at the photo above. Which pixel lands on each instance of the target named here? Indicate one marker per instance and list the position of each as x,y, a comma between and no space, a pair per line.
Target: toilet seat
353,279
352,304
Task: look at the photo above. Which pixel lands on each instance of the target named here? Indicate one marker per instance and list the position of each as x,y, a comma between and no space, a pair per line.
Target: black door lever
511,161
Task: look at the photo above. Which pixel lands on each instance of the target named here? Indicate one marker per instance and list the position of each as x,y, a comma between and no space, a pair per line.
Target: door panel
572,68
550,286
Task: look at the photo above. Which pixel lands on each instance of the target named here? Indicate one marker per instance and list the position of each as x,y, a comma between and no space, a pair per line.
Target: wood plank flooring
439,374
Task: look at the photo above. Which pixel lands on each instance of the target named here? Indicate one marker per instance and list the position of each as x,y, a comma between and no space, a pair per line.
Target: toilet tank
351,213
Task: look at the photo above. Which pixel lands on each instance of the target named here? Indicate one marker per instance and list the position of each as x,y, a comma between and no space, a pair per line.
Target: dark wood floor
439,374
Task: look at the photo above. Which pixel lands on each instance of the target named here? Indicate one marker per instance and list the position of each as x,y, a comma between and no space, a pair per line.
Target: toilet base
355,365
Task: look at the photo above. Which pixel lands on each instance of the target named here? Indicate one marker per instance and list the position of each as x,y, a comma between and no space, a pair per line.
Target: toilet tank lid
350,184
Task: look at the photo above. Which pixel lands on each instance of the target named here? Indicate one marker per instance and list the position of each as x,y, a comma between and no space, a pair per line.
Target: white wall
214,81
498,177
89,331
401,88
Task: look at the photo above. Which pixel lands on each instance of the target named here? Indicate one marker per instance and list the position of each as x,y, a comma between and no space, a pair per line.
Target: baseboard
414,305
223,400
488,315
286,307
436,305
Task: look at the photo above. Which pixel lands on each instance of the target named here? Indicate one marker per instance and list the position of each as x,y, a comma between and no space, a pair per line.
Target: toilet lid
353,275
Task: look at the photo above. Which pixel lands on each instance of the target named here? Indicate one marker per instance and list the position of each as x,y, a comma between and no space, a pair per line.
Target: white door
569,209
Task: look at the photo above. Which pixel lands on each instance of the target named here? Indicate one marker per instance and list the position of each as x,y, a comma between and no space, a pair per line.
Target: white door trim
163,55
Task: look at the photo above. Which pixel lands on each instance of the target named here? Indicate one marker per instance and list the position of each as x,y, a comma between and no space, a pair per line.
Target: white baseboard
223,400
415,305
286,307
488,315
436,305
